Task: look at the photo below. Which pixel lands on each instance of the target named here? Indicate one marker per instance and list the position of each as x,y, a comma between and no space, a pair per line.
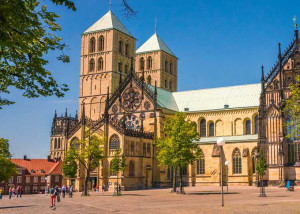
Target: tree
292,109
8,169
178,148
261,167
87,152
69,167
117,165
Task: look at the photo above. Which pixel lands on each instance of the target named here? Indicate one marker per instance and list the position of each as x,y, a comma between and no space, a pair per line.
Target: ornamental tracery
131,99
130,122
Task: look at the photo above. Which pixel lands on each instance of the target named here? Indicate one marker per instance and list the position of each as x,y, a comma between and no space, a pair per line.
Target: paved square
196,200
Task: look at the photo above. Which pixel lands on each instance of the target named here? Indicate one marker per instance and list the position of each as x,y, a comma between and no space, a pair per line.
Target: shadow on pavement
11,207
211,193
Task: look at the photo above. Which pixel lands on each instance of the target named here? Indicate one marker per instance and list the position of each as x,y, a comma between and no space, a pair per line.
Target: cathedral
125,94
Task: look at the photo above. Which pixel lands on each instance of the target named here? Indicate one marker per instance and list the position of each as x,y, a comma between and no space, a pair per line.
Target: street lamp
221,143
227,163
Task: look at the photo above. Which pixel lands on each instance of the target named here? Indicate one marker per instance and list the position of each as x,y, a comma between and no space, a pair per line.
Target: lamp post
226,164
281,153
221,143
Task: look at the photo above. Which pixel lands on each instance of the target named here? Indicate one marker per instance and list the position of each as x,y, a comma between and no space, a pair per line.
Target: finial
262,73
76,115
83,113
107,100
66,113
295,22
55,115
279,49
155,26
110,5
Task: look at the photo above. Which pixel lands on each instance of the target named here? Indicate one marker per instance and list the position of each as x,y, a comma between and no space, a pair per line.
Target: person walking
13,191
53,197
63,191
1,191
103,188
10,192
19,191
46,190
58,191
71,192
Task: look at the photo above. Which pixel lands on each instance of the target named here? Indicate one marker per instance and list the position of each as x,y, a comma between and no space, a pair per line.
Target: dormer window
42,171
32,171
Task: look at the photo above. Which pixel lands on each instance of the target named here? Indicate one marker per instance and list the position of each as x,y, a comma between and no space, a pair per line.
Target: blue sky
218,43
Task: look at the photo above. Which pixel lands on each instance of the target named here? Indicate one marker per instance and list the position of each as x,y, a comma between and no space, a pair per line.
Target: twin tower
108,53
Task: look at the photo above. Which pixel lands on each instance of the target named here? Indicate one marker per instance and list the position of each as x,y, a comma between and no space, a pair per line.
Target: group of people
12,191
56,191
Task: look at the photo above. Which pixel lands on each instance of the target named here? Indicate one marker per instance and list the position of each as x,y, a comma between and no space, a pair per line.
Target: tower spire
296,31
110,5
66,113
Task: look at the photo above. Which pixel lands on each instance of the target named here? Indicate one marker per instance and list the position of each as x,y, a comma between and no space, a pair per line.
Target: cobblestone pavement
196,200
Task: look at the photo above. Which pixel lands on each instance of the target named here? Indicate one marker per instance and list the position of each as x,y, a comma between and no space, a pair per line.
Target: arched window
253,159
92,65
58,145
149,80
166,66
170,85
114,142
74,143
120,67
55,143
120,46
142,63
256,124
202,128
92,45
211,131
149,63
166,83
131,168
126,69
101,43
237,161
171,67
100,64
111,172
247,127
126,49
201,165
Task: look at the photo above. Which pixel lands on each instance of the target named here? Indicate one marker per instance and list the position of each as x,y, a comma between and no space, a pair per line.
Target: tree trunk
86,182
174,179
118,184
181,181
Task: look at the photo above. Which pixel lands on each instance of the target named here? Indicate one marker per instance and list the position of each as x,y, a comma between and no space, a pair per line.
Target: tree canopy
117,165
8,169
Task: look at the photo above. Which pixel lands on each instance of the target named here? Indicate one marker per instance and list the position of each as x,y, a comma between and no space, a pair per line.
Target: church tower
107,48
158,62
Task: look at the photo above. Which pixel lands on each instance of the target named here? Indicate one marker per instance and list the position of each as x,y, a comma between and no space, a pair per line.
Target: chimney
48,158
25,157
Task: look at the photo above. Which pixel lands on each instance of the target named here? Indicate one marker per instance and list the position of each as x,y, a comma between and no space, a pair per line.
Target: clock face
131,122
131,99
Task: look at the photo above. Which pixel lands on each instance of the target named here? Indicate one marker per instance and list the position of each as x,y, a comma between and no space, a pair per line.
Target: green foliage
8,169
261,164
178,148
27,33
292,109
117,164
69,167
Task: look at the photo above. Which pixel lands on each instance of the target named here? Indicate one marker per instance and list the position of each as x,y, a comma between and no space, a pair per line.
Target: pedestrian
97,189
10,192
71,192
1,190
53,197
103,188
57,193
46,190
13,191
63,191
19,191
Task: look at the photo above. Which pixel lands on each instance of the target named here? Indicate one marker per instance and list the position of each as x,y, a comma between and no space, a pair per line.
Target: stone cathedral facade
126,94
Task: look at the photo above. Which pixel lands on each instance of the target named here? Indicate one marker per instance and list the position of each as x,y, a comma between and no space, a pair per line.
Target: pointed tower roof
154,43
106,22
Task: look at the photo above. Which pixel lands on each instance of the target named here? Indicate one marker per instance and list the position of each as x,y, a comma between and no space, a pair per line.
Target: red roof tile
38,165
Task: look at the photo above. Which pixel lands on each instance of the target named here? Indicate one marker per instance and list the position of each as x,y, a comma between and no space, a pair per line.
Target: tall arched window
101,43
237,161
170,85
149,63
92,65
131,168
126,49
253,159
142,63
92,45
248,126
120,46
126,69
166,66
256,124
120,67
149,80
166,83
55,143
171,67
211,131
100,64
202,128
114,142
58,145
201,165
